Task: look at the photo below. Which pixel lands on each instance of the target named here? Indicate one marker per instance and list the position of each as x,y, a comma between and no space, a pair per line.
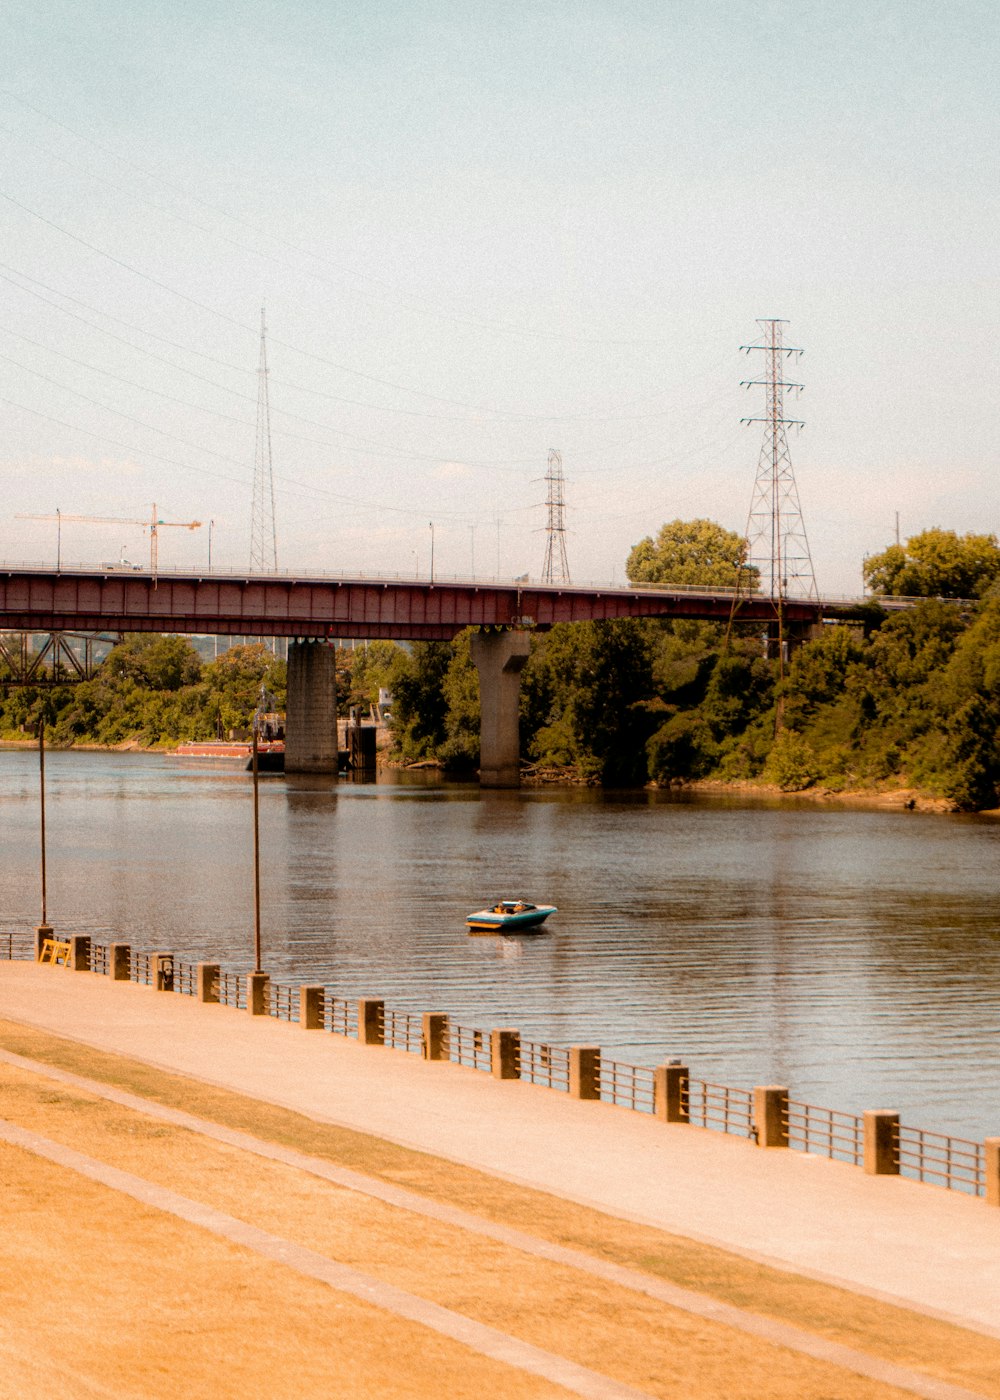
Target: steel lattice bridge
316,606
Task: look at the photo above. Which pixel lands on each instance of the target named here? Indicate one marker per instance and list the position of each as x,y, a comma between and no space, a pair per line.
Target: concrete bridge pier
499,658
311,709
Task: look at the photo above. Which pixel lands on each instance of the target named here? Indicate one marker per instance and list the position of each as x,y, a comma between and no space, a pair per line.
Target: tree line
897,698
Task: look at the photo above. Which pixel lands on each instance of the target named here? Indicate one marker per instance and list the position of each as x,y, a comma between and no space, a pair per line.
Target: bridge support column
499,658
311,709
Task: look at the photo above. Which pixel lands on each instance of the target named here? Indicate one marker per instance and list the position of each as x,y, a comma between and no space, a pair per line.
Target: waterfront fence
825,1131
339,1015
628,1086
719,1106
941,1160
283,1001
401,1030
538,1063
466,1046
874,1140
230,989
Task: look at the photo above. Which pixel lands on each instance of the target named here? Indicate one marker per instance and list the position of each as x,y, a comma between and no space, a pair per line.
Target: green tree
936,564
689,552
419,711
160,662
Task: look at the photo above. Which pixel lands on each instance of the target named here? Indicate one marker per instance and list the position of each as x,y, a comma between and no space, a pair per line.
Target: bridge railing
220,573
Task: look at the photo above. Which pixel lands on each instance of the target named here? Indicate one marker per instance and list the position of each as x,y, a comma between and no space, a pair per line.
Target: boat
270,753
510,916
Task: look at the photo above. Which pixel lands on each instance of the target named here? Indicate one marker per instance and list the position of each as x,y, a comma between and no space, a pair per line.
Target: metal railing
923,1155
230,988
720,1107
467,1046
140,966
283,1001
185,978
538,1063
825,1131
338,1015
402,1030
629,1086
947,1161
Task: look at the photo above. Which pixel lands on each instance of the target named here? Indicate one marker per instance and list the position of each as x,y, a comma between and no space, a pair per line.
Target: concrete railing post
311,1007
770,1114
79,956
119,962
161,966
585,1071
371,1021
992,1152
505,1054
258,993
207,980
434,1036
42,932
670,1093
881,1129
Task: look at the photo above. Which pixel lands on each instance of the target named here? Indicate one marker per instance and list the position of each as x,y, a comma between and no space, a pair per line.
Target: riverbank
901,798
572,1235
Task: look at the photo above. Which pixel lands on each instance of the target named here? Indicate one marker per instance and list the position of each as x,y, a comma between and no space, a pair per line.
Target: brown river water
851,954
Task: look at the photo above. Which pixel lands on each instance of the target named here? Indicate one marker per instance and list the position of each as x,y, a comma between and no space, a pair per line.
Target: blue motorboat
510,916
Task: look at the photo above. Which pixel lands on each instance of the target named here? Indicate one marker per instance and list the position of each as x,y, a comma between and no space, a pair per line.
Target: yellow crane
154,525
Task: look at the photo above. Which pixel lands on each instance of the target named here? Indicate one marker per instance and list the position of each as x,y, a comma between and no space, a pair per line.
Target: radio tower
776,537
556,567
263,536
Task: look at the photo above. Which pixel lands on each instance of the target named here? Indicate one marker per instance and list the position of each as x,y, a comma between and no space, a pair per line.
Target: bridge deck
93,600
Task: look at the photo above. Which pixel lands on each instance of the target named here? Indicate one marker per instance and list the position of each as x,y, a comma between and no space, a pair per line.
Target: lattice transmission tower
556,566
263,532
776,536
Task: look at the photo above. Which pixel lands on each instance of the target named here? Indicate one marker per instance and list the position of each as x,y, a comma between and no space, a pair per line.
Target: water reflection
850,954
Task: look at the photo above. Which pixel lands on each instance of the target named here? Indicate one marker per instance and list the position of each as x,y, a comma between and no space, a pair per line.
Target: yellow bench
54,950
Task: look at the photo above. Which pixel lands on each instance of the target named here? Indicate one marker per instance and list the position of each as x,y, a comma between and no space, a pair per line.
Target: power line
418,304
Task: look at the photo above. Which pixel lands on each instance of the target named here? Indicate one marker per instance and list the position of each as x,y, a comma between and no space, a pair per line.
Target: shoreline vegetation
901,798
887,708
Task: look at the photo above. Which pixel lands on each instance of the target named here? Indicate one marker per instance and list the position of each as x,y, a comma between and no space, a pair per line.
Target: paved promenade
930,1249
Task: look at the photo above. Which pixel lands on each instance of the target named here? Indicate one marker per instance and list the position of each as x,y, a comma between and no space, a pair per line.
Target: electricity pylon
556,566
776,537
263,533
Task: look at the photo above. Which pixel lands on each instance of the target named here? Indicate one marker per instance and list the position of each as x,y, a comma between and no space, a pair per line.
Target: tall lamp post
44,929
256,853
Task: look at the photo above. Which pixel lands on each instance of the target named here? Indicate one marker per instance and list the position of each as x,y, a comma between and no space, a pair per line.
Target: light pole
431,523
41,795
58,548
472,550
256,853
211,527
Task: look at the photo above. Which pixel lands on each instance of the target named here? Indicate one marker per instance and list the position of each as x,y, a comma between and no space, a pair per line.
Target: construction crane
154,525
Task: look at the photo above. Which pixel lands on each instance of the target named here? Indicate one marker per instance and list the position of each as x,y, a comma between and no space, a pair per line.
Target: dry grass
101,1296
612,1330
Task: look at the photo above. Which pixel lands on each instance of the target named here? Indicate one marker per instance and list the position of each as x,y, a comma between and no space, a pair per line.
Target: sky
482,232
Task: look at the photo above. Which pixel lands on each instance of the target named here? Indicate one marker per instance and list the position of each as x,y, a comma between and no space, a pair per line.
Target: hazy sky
483,231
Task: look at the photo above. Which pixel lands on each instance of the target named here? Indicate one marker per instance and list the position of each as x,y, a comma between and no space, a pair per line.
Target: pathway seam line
701,1305
477,1336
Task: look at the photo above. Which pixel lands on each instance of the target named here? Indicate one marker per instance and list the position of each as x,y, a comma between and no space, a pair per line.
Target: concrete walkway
930,1249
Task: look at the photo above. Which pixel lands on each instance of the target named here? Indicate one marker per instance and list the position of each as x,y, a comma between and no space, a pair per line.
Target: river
851,954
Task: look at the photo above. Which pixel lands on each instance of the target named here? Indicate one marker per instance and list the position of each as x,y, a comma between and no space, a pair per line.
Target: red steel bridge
311,606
